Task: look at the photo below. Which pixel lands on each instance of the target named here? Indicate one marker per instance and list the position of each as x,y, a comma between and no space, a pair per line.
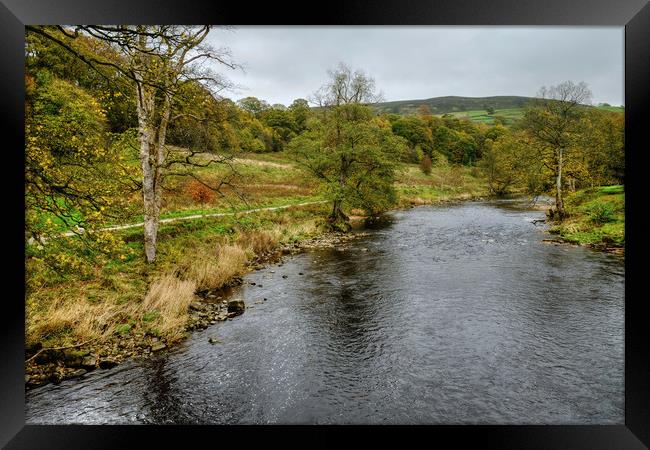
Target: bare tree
345,87
157,61
554,121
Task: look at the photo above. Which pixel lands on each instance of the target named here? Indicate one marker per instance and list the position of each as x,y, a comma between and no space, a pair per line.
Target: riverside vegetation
106,148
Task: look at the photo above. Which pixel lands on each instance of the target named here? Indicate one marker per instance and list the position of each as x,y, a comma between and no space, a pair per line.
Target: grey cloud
285,63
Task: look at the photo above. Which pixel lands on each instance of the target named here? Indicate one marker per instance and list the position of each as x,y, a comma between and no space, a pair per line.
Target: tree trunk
160,160
148,161
338,220
559,202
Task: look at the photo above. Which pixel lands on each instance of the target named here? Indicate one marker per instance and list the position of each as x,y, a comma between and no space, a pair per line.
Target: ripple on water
455,314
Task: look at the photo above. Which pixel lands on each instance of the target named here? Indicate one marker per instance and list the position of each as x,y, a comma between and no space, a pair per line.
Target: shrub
601,212
199,192
425,165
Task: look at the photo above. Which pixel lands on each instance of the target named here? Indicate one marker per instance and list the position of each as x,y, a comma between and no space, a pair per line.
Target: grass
214,268
596,217
128,296
445,183
124,296
166,302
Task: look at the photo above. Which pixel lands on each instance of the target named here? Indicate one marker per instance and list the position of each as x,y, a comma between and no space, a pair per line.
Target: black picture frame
633,14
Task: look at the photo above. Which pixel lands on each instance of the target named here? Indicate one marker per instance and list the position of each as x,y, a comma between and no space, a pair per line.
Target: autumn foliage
425,165
199,192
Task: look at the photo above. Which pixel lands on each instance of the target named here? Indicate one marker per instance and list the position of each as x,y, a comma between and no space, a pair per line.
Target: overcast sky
282,63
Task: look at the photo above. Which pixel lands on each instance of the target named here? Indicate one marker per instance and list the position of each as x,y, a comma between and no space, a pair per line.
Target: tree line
112,110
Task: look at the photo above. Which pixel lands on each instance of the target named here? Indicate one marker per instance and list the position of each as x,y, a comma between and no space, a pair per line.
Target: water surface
445,315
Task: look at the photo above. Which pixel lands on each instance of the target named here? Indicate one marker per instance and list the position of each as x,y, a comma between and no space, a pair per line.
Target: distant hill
453,104
507,107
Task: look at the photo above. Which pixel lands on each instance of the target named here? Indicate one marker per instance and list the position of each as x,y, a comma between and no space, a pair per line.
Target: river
454,314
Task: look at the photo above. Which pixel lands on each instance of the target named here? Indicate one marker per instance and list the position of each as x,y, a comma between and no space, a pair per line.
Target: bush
199,192
601,213
425,165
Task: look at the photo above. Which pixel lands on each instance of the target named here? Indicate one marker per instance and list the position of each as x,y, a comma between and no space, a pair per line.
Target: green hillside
507,108
453,104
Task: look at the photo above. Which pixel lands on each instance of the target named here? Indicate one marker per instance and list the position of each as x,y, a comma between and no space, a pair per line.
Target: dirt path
194,216
256,162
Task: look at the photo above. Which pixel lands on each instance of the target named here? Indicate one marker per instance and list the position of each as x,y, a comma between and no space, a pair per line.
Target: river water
443,315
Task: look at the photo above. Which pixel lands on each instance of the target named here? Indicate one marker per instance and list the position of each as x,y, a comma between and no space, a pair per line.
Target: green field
510,115
510,108
453,104
612,108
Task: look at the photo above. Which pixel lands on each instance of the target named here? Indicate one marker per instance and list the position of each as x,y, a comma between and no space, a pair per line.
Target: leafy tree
284,127
301,112
554,122
253,105
504,162
495,132
213,132
156,62
354,153
603,147
458,147
463,149
414,129
117,101
75,174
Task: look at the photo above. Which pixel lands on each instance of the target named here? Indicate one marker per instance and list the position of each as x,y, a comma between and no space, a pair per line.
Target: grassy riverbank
596,218
122,307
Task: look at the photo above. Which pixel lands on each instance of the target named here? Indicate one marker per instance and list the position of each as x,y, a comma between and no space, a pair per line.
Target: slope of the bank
596,218
123,307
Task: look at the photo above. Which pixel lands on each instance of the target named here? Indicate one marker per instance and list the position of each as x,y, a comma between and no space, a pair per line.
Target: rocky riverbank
53,365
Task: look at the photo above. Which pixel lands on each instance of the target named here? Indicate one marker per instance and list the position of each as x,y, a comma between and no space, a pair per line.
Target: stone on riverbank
158,346
107,363
236,306
89,362
74,358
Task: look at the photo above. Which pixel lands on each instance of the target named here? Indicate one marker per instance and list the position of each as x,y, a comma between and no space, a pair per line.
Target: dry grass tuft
170,297
73,320
213,271
70,319
418,201
258,242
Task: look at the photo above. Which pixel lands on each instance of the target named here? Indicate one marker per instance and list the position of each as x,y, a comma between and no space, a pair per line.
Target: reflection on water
455,314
